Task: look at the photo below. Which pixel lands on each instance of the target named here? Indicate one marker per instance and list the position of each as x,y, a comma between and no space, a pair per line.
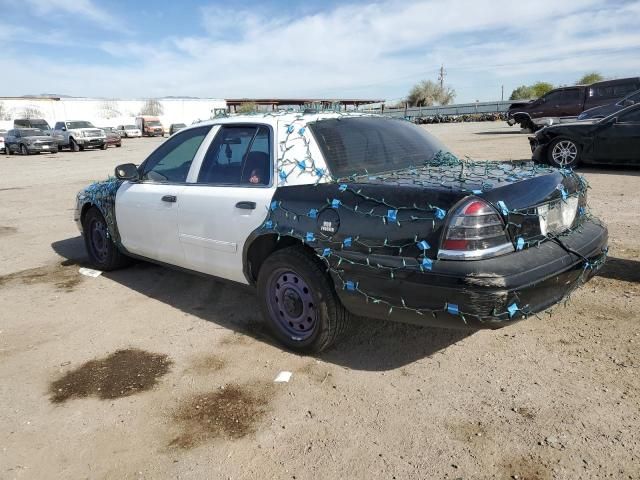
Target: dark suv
566,103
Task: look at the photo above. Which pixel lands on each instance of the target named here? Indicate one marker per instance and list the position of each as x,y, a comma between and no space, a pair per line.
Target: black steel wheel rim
291,304
99,240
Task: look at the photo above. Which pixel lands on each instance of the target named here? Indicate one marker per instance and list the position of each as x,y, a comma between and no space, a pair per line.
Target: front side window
239,155
630,117
568,97
170,163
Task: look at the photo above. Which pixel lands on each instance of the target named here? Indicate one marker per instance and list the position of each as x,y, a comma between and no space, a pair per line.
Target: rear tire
103,253
298,301
563,153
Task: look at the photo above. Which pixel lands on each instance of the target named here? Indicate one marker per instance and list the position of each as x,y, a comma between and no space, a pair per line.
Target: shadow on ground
627,170
621,269
369,344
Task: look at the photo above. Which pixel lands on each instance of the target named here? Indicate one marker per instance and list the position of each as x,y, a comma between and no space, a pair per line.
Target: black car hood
580,127
516,105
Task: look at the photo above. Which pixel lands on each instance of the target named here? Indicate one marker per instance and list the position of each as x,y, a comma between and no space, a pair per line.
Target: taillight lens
475,231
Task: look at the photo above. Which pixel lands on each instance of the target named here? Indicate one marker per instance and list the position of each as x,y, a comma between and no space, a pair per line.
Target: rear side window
170,163
239,155
360,145
612,91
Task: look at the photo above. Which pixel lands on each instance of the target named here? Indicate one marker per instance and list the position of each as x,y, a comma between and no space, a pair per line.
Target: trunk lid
521,192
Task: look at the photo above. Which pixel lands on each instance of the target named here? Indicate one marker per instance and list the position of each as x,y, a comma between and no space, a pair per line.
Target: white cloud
379,49
74,10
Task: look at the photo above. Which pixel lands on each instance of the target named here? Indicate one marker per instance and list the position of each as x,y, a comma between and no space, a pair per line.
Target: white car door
227,200
147,210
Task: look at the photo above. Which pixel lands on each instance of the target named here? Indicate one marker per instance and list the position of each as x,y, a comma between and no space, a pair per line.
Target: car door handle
246,205
169,198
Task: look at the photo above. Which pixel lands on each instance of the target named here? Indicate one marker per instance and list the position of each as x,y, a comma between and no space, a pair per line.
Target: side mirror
127,171
628,102
64,129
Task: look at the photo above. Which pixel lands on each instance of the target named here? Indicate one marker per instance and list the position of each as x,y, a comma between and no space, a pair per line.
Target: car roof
282,117
298,163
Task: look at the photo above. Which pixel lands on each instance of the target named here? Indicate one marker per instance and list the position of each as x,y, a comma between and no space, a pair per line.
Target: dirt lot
149,373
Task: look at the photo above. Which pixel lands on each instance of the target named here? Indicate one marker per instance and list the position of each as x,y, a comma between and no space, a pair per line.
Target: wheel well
265,245
83,212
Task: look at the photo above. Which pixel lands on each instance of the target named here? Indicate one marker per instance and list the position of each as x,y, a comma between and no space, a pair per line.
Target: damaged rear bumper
472,294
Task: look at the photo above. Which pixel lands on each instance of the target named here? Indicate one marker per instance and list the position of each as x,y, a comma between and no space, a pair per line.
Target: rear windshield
360,145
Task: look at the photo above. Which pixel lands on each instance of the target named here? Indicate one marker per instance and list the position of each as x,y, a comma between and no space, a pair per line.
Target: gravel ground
150,373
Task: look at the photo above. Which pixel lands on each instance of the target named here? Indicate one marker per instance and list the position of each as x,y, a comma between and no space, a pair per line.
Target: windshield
80,125
130,127
635,97
179,125
360,145
153,123
29,132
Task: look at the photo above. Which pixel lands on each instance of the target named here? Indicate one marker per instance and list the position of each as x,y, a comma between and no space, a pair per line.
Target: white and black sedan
329,215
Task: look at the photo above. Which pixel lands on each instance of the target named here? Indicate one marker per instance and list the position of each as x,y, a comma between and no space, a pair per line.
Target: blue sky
313,48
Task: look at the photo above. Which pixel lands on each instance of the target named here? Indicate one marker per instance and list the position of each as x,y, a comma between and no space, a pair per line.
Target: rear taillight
475,231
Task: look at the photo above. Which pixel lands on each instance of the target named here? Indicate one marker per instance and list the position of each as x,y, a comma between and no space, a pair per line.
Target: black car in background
613,140
29,140
175,127
606,110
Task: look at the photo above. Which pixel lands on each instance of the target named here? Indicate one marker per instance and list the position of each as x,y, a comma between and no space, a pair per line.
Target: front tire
103,146
103,253
563,153
24,150
73,145
298,301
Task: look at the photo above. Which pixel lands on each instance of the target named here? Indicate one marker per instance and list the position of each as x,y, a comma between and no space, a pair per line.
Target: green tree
427,93
589,78
247,107
523,92
540,88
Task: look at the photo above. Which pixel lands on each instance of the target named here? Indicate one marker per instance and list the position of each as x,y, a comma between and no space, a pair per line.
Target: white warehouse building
106,112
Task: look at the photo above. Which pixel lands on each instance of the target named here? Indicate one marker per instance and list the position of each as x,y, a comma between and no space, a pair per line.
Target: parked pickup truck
77,135
566,103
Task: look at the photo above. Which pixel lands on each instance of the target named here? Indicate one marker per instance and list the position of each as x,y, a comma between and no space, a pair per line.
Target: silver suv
78,135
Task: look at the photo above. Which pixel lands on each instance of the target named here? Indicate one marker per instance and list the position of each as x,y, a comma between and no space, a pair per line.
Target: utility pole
502,92
441,76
